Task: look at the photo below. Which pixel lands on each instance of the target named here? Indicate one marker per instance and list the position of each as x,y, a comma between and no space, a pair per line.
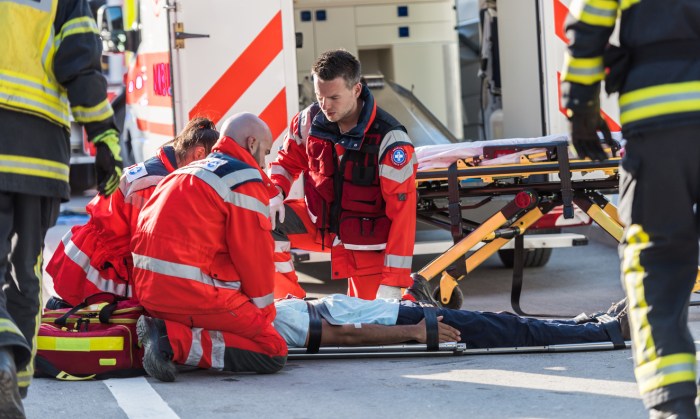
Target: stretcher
532,176
445,349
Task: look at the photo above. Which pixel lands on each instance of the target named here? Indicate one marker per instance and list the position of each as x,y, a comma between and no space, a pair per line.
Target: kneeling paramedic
199,261
96,257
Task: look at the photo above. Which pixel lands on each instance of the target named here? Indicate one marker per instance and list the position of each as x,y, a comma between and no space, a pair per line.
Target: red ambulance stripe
242,73
156,128
560,12
275,114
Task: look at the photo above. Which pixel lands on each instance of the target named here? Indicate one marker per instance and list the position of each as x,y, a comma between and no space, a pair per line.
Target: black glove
584,124
108,162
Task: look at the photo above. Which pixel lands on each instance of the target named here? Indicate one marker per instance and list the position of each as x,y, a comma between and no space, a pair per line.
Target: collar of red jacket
166,154
230,147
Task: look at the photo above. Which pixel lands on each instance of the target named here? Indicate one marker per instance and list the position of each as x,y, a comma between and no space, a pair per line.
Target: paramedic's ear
252,144
199,152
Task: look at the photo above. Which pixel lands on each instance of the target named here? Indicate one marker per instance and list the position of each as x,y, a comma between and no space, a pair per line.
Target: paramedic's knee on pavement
359,186
656,71
202,261
96,257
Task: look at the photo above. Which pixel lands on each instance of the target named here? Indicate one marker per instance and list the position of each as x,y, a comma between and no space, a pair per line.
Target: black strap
314,330
612,328
431,328
101,297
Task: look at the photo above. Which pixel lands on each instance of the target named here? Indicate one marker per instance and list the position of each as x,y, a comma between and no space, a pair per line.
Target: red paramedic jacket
95,257
203,243
396,171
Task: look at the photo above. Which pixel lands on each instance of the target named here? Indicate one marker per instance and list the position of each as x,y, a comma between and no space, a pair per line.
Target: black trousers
659,194
24,220
480,329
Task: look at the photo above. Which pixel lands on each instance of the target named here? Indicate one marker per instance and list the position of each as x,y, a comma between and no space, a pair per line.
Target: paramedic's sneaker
420,291
157,357
10,400
55,303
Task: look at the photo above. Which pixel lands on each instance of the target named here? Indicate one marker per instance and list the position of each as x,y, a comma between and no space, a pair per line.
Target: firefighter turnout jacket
50,68
96,257
659,57
359,186
202,236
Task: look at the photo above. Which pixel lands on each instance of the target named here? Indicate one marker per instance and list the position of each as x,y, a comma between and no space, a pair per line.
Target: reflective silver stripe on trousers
196,351
401,262
180,270
665,371
282,246
398,175
221,188
380,246
284,267
218,347
262,302
93,275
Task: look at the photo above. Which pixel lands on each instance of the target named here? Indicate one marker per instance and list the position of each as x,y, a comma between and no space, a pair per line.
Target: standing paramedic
96,257
359,186
203,267
656,70
49,70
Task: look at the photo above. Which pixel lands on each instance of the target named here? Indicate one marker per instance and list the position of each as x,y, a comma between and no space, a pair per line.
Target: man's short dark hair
337,63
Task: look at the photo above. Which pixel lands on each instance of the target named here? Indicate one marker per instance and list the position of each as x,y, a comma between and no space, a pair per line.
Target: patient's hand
446,333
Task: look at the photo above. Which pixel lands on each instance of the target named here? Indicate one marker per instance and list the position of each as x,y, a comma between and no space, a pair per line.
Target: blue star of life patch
136,171
398,156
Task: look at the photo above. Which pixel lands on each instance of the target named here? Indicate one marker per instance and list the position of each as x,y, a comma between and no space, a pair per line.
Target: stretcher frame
445,349
514,219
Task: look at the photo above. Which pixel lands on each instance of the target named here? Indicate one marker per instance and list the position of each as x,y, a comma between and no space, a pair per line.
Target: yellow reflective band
583,70
626,4
666,370
108,362
633,274
78,344
83,24
32,166
7,325
96,113
660,100
597,13
64,376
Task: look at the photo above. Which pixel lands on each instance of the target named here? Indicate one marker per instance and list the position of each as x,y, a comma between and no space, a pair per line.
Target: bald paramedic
96,257
359,186
199,251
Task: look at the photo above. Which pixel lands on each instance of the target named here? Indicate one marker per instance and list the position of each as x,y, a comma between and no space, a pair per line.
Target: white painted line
138,399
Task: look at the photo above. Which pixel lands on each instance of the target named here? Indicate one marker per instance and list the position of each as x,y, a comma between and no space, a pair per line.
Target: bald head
251,133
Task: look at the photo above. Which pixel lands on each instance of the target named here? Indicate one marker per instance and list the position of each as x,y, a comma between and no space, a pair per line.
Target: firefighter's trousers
659,194
24,221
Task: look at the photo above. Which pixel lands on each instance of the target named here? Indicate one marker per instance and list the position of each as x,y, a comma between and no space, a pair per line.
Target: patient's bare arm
376,334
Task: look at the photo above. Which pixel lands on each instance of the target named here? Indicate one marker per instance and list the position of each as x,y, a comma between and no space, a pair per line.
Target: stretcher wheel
456,299
532,258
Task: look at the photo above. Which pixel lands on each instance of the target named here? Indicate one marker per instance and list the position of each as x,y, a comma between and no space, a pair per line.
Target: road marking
138,399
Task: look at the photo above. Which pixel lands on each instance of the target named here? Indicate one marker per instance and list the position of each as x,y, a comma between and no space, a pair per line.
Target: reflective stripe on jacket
656,93
203,242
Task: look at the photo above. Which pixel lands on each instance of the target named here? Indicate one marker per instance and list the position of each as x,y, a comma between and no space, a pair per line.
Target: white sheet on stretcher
443,155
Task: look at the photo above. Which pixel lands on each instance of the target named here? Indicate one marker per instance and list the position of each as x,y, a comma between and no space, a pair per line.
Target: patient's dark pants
491,330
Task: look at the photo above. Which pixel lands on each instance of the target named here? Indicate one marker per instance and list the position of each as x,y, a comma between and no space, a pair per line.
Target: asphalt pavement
596,384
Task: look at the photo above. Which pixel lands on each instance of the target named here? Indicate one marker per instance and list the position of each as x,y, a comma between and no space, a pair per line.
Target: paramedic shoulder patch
399,157
210,164
135,172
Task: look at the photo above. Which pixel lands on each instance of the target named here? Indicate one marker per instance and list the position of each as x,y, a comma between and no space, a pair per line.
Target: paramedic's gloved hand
388,292
108,161
584,124
277,209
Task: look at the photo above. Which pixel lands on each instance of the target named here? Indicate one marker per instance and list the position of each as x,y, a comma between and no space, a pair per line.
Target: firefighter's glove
584,123
277,209
108,162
